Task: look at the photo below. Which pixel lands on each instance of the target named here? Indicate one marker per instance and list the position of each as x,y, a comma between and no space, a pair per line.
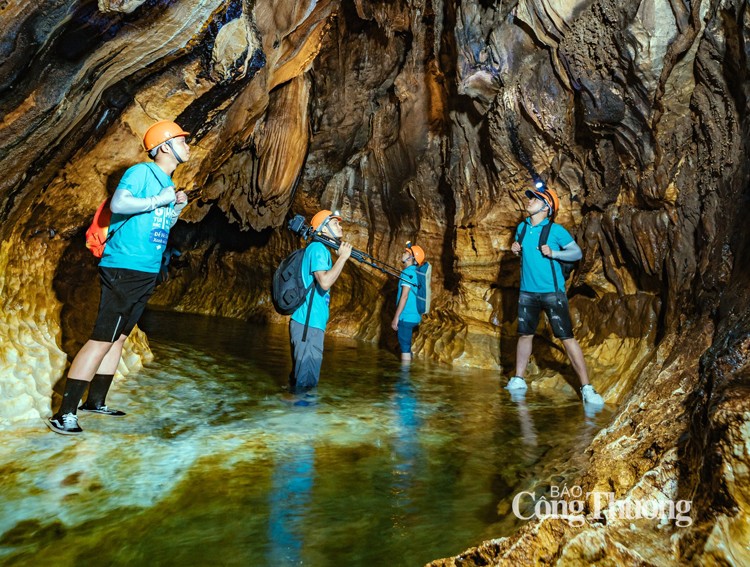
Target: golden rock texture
420,121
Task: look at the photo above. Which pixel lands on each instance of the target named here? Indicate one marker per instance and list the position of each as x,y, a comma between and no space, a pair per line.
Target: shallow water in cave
215,464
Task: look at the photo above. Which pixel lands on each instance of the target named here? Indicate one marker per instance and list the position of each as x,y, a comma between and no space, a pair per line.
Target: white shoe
516,383
590,396
66,424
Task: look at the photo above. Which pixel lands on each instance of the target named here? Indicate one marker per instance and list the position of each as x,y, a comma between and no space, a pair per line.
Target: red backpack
97,234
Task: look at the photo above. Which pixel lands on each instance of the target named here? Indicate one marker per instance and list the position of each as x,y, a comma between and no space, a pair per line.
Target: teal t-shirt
536,269
317,259
140,239
410,313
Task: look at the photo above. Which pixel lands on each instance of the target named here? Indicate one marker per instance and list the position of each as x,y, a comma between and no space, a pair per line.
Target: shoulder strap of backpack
148,165
309,311
310,290
522,233
543,237
519,239
112,233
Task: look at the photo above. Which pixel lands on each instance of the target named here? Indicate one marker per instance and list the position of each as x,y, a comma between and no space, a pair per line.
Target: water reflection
389,466
406,446
291,488
591,411
528,432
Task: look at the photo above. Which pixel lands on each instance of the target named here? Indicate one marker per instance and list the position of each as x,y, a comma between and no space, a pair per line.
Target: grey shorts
307,356
555,305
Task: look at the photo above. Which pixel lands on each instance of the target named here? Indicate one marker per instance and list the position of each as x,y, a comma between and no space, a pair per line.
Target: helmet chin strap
174,152
544,206
330,232
324,224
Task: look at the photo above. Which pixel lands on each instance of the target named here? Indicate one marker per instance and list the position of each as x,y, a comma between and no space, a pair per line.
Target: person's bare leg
112,359
88,360
81,372
523,353
102,381
575,354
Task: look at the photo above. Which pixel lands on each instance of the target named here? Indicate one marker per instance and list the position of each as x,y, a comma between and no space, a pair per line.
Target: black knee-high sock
98,390
74,390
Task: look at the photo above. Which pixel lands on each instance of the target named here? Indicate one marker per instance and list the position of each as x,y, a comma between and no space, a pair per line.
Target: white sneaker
516,383
590,396
66,424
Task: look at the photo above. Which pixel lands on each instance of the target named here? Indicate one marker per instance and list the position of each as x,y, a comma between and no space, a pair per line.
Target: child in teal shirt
407,316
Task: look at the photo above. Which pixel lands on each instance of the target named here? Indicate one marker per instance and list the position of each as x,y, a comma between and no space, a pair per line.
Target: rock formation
420,121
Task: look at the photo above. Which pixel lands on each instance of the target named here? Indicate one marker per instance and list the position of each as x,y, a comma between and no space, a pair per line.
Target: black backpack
288,290
566,267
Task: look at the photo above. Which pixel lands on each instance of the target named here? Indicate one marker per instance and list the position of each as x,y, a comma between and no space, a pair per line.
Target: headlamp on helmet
547,196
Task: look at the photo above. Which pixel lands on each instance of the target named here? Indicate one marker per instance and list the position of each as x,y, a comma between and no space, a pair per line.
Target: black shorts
555,305
124,297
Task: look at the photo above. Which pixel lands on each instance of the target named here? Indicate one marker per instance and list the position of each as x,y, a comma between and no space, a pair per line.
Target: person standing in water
407,315
144,208
543,287
308,323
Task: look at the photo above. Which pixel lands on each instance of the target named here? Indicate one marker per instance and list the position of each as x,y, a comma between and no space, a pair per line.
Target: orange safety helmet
321,218
549,196
416,252
161,132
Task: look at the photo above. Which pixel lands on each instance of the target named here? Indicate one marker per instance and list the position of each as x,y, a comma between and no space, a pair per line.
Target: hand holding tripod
300,227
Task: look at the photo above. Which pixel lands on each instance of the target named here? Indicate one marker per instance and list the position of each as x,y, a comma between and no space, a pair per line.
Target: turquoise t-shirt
317,259
536,269
139,243
410,313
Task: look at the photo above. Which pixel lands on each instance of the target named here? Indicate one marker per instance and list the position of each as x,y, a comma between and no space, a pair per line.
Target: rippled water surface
214,464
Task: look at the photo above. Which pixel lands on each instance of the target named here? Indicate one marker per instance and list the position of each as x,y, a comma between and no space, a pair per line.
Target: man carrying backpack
144,208
407,315
542,244
308,324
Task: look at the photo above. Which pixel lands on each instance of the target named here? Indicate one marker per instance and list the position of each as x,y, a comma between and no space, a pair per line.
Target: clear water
215,464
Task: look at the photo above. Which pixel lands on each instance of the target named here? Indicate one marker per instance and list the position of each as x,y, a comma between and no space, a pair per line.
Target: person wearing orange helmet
144,208
543,287
407,315
308,323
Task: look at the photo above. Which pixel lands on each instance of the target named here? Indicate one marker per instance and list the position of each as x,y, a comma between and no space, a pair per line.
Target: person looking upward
542,244
308,323
144,208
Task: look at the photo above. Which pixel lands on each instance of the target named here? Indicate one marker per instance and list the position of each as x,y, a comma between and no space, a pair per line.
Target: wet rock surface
420,121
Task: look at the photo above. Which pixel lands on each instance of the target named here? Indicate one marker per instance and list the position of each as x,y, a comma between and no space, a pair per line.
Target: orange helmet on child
416,251
321,219
161,132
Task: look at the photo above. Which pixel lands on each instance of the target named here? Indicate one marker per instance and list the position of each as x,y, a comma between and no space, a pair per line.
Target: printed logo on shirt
159,236
160,232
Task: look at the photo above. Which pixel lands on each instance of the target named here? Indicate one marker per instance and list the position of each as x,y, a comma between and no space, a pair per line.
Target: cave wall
423,121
